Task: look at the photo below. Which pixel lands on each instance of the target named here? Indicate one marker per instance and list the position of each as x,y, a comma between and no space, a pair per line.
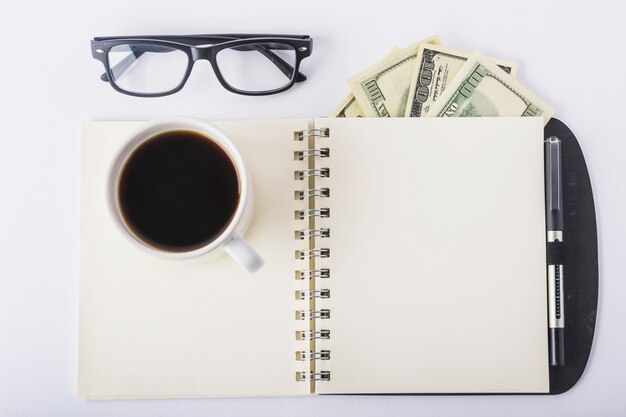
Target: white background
569,54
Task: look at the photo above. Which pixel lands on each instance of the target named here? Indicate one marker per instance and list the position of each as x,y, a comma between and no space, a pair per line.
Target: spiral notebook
401,256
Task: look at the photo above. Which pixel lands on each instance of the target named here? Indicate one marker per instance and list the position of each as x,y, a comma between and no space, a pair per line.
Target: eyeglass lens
146,68
259,66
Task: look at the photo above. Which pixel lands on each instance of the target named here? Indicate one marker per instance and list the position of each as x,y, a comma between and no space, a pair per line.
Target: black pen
554,227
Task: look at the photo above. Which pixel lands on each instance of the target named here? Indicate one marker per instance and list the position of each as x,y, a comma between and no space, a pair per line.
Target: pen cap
554,184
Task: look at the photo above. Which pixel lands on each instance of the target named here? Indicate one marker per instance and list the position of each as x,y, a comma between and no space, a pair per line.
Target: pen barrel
555,249
557,347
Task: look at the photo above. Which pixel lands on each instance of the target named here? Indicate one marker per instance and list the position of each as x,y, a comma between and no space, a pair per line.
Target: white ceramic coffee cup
231,240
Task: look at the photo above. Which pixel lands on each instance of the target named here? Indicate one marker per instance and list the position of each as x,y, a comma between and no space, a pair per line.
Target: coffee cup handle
243,253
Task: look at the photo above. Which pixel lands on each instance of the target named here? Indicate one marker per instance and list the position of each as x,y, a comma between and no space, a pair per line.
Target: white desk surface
569,53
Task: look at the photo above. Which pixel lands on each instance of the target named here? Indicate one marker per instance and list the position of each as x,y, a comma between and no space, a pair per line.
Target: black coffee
178,191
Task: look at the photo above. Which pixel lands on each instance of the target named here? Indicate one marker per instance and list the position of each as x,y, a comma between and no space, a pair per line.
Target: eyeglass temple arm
121,67
282,65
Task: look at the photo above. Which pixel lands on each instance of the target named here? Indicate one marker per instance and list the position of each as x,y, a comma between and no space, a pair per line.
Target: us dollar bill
482,89
435,67
348,108
382,90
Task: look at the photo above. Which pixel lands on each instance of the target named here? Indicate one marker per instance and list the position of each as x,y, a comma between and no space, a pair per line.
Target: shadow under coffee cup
179,189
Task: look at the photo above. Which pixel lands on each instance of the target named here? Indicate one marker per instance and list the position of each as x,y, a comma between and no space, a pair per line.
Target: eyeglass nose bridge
201,52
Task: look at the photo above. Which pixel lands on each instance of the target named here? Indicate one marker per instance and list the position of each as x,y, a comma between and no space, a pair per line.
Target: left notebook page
154,328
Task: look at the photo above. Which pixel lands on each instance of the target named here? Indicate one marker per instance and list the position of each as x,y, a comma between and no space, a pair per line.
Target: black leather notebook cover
581,260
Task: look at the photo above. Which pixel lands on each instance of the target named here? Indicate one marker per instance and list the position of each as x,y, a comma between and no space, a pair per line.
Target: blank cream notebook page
161,328
437,256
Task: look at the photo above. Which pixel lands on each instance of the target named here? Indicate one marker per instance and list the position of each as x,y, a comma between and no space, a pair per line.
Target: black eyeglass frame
206,47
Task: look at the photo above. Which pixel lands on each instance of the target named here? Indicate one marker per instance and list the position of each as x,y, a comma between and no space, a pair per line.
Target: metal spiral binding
308,294
312,273
302,134
311,153
322,355
309,233
310,335
322,314
312,192
313,177
321,212
313,376
312,253
314,172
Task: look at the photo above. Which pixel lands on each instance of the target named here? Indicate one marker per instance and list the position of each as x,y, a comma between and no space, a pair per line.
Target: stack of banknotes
429,80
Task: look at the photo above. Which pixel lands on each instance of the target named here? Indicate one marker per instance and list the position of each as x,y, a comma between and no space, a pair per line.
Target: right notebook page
437,256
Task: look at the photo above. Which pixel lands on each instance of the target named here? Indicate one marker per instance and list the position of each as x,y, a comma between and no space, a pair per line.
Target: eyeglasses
154,66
